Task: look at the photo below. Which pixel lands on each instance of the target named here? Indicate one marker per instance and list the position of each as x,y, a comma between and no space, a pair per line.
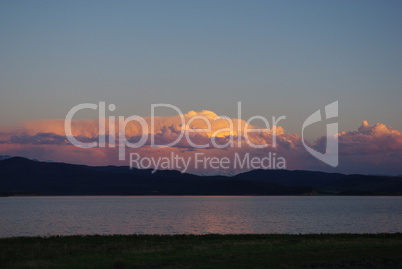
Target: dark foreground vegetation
204,251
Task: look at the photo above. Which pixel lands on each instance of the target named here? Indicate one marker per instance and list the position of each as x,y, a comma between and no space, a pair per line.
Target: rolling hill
23,176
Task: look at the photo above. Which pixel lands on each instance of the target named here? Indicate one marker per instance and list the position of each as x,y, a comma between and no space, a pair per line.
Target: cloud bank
371,149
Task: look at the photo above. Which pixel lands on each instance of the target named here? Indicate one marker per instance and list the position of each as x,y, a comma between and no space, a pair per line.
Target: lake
30,216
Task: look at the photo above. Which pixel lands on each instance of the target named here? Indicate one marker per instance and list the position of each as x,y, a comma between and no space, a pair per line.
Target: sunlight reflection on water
198,215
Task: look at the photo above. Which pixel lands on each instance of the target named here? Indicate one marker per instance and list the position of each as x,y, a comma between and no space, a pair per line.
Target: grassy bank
206,251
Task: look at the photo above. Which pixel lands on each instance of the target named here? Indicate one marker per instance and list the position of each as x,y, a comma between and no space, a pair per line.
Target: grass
204,251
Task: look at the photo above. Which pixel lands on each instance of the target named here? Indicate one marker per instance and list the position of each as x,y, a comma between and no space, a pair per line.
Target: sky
275,57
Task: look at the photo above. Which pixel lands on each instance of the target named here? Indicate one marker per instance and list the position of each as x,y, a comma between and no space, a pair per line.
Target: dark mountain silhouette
20,175
329,182
23,176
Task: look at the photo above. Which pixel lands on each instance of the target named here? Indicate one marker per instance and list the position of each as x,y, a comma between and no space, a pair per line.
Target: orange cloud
369,149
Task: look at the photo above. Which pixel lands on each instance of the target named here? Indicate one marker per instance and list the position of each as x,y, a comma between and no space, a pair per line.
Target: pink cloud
369,149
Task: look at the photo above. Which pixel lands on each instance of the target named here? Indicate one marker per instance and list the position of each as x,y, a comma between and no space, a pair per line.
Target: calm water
198,215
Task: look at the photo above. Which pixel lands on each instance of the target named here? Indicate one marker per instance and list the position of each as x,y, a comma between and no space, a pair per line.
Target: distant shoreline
193,195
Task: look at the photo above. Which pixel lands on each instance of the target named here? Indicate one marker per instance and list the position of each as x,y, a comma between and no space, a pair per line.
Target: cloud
370,149
367,140
38,139
371,140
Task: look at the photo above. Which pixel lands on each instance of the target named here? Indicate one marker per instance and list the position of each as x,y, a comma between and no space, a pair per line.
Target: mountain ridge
19,175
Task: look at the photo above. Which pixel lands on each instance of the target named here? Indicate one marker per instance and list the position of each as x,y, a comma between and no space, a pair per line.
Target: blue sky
276,57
